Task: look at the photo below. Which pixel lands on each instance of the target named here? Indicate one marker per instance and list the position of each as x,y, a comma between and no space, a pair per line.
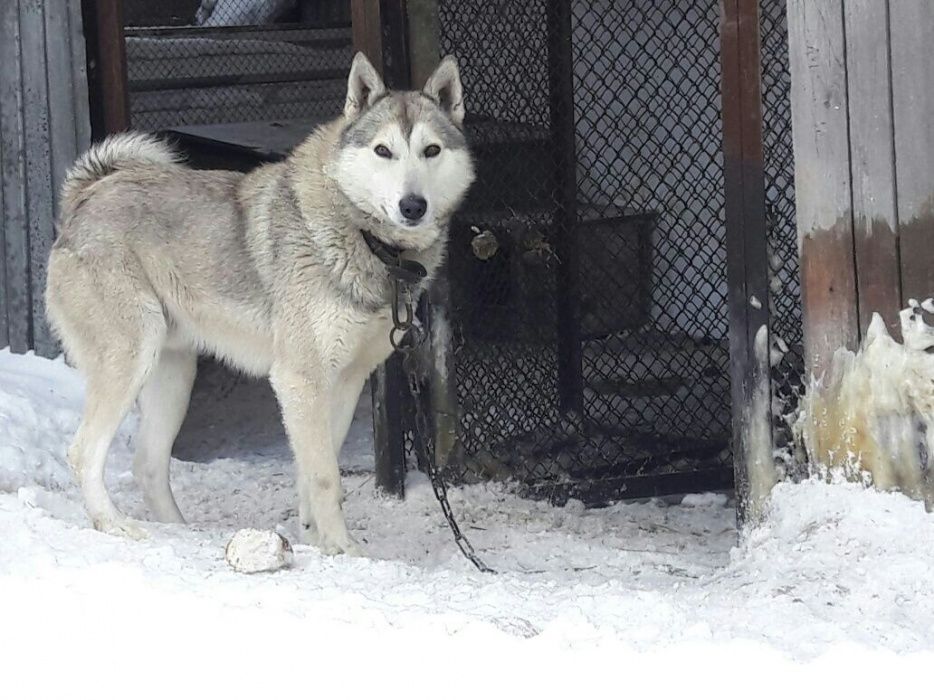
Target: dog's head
403,158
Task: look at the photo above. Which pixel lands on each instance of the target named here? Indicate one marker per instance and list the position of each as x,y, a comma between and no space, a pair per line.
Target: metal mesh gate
222,61
588,267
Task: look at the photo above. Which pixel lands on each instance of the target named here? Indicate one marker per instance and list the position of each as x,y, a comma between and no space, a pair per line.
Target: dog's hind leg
111,390
163,403
113,328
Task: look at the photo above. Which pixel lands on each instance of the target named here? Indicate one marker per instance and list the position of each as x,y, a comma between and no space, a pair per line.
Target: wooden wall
862,104
43,126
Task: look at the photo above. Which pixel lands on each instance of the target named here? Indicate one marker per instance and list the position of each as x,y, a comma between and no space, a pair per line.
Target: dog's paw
121,527
344,545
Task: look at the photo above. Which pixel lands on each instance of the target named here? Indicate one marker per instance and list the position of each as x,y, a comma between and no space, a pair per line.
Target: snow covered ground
834,591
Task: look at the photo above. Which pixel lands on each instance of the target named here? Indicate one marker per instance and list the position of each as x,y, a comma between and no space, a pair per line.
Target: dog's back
170,239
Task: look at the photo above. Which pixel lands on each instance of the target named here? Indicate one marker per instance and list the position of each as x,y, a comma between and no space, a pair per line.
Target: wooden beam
872,161
822,179
912,28
747,255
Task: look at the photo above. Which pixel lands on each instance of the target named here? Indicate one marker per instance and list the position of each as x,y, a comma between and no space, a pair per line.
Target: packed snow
832,591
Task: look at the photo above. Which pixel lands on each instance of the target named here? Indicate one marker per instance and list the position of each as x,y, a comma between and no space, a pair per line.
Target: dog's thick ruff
156,262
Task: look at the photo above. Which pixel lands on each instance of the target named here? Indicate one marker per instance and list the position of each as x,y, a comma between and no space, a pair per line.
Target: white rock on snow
253,551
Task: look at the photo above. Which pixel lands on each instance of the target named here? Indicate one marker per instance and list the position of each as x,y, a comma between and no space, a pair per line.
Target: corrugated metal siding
44,124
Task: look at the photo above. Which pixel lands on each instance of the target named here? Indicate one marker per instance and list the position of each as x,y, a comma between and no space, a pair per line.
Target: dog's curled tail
117,152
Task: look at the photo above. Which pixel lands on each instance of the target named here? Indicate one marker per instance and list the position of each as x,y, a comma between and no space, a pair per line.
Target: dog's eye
432,151
383,152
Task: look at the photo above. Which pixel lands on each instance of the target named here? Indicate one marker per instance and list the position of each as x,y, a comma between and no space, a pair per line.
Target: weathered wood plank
912,27
43,124
822,179
872,155
39,161
61,105
16,245
79,77
747,255
4,332
68,133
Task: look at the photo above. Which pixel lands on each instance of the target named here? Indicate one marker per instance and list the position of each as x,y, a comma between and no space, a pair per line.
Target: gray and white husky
270,271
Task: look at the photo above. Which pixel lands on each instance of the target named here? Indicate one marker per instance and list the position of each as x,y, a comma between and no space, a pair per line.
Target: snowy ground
835,589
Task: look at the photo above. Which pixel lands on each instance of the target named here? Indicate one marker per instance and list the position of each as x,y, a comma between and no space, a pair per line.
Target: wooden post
912,31
387,387
387,384
567,247
423,56
820,126
395,46
747,255
106,48
367,30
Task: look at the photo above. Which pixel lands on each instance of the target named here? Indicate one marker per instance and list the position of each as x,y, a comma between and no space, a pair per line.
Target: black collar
406,271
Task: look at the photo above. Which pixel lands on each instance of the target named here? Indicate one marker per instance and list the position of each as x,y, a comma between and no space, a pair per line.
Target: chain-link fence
588,267
784,282
228,61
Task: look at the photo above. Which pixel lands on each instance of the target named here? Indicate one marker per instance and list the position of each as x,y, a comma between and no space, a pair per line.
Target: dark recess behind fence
588,301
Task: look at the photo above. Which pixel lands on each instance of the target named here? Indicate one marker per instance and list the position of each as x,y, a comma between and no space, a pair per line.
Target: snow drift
640,596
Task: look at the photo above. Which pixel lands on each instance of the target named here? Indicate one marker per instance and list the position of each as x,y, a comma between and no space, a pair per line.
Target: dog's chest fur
330,294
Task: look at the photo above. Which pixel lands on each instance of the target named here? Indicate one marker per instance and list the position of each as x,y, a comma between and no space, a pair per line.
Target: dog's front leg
305,398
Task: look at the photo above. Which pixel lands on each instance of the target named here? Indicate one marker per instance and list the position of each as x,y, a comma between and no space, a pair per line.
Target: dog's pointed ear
445,87
363,86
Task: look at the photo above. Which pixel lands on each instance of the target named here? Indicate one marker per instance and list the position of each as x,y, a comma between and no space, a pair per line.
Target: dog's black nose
413,207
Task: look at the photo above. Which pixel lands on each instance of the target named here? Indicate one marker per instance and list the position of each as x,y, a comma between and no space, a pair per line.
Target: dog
273,272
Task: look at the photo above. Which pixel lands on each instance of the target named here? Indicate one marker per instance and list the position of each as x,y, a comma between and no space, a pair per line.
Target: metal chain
406,337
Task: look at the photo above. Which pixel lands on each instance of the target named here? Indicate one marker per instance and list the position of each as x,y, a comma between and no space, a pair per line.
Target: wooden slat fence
43,126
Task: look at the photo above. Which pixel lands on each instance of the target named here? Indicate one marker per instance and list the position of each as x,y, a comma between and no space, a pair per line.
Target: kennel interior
209,62
588,280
